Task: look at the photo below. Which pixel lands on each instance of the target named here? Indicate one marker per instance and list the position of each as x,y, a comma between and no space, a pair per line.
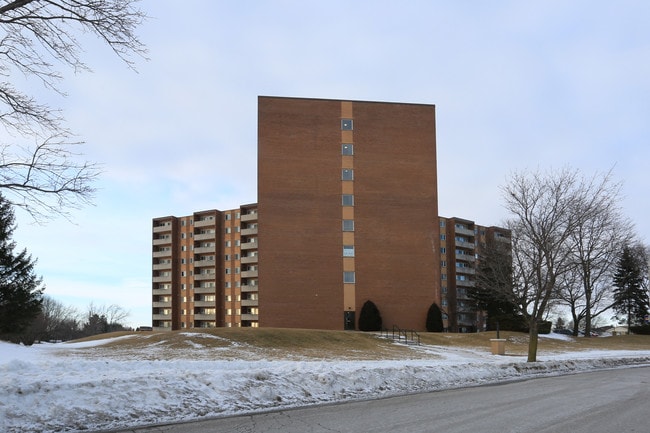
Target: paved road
614,401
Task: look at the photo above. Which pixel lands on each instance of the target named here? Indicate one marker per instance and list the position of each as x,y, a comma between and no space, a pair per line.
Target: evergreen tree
20,292
369,317
434,319
630,296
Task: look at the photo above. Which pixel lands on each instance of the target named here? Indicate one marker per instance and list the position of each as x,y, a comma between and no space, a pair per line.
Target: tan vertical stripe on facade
347,187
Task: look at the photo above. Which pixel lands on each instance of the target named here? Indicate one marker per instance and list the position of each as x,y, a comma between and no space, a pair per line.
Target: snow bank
49,389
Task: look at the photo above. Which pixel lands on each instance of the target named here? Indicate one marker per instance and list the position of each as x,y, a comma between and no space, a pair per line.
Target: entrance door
348,320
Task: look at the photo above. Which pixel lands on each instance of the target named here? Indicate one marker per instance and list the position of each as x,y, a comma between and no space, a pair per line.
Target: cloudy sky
517,86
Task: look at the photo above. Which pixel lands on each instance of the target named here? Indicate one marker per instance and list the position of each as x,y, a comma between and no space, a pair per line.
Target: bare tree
41,173
542,221
599,235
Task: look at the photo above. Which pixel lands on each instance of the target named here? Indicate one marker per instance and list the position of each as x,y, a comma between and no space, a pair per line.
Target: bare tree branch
49,178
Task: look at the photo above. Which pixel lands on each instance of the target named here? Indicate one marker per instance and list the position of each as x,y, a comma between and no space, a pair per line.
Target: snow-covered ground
59,387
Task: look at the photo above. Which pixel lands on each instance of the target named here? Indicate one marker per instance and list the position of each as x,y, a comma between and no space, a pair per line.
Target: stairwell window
348,277
347,174
348,225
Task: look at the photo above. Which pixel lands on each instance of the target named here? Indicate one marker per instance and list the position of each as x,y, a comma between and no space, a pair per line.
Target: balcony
248,232
163,279
202,250
210,317
249,317
249,303
165,253
162,229
162,304
249,246
465,283
203,263
249,259
161,292
469,271
161,266
468,245
246,288
249,217
204,304
204,236
204,277
161,317
465,257
466,232
210,290
249,274
205,222
163,241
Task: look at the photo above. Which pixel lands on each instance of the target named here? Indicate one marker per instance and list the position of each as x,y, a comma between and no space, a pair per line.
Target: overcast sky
517,86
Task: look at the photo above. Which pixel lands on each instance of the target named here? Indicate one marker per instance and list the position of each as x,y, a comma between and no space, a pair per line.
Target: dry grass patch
300,344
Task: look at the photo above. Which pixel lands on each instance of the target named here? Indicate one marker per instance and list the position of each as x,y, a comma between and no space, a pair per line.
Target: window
348,225
227,256
443,250
443,237
227,243
227,270
228,217
443,263
348,277
227,230
442,223
347,149
346,124
347,174
347,200
348,250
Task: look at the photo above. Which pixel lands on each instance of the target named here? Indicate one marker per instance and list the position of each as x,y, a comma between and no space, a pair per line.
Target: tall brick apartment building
347,212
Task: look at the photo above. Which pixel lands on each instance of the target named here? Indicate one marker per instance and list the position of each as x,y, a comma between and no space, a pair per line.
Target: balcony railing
249,259
205,317
204,304
249,303
161,266
165,253
470,271
202,250
162,304
249,274
202,263
161,292
162,279
205,289
161,317
460,231
248,217
205,222
163,241
162,229
249,246
465,283
246,288
204,236
249,317
248,232
466,257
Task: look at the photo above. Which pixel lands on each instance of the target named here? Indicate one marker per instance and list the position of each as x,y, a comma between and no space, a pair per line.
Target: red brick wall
397,257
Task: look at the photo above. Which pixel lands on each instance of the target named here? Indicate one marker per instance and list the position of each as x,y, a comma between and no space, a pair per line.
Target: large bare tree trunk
532,343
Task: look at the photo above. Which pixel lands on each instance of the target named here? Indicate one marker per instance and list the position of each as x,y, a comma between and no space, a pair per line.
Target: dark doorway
348,320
